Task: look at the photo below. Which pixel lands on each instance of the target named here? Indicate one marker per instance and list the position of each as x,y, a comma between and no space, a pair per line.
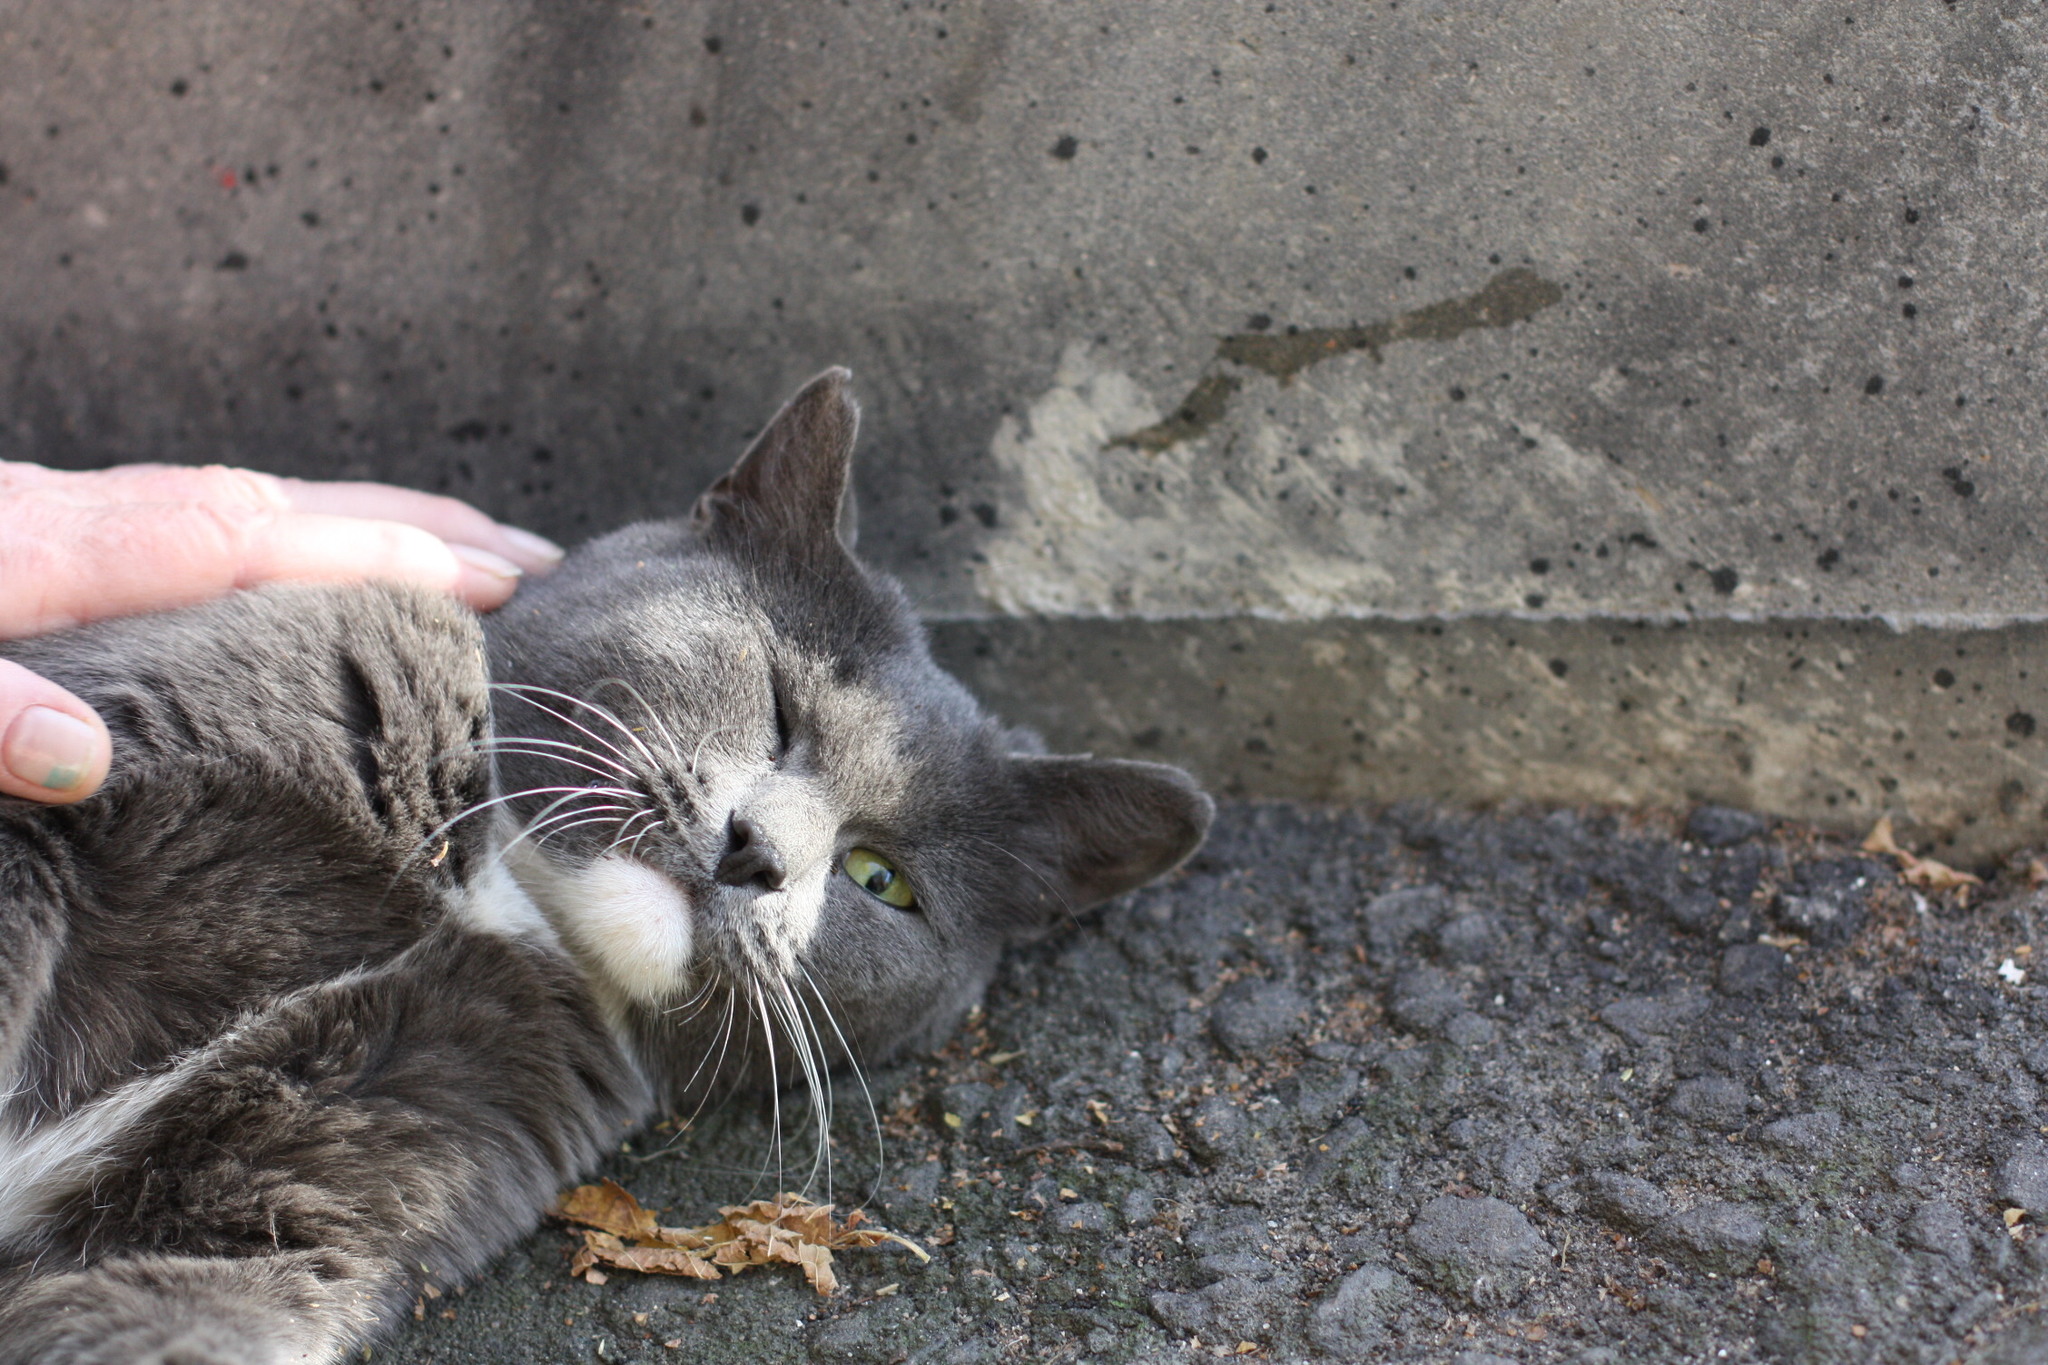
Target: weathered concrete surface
1391,312
1410,1086
1944,730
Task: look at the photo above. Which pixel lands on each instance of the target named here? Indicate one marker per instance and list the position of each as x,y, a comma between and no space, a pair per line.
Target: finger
451,519
319,547
217,485
53,747
84,562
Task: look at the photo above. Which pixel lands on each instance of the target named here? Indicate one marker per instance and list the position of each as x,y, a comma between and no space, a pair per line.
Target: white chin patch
633,921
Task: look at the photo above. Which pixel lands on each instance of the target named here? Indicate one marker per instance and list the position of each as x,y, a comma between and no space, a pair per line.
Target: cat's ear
1101,826
791,485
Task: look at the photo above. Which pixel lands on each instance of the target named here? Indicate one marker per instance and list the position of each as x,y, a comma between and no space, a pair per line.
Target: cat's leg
184,1310
318,1164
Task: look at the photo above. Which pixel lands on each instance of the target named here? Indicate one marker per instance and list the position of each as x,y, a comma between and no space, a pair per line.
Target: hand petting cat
77,547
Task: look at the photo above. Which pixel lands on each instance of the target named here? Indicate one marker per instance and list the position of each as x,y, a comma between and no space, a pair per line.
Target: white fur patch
493,902
38,1168
632,920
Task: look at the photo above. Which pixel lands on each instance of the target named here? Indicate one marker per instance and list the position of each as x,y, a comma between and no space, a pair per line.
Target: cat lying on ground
389,922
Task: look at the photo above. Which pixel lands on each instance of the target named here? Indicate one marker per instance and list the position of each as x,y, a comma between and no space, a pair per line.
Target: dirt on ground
1411,1085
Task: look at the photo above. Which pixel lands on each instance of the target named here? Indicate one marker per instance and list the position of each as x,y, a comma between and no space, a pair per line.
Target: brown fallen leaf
1925,873
790,1231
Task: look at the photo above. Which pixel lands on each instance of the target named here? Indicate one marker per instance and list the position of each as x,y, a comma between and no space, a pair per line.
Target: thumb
53,747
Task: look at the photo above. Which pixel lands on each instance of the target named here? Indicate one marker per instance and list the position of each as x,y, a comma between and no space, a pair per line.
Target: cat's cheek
635,924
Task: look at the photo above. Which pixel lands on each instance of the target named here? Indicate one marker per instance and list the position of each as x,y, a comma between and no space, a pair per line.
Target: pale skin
78,547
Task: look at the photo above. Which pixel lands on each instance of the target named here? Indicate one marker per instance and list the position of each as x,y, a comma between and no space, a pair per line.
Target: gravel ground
1414,1085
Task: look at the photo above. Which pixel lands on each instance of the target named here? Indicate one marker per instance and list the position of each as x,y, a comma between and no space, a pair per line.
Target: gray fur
357,960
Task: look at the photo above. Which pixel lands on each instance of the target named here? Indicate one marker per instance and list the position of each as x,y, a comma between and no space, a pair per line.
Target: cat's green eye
877,876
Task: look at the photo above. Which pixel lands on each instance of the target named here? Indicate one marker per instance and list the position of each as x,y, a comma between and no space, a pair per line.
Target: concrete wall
1368,340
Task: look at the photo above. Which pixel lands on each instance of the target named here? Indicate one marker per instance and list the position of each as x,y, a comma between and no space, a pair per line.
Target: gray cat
388,924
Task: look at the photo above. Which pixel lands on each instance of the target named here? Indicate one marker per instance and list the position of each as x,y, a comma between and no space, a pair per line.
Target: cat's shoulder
357,713
244,667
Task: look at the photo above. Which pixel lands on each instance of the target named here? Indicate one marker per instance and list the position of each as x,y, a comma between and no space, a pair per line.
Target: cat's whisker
574,824
628,834
817,1078
799,1042
774,1081
574,794
493,743
647,709
852,1061
724,1041
613,773
428,839
703,740
695,1005
521,689
1066,906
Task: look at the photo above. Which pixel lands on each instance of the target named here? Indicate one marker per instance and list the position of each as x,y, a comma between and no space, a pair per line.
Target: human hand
77,547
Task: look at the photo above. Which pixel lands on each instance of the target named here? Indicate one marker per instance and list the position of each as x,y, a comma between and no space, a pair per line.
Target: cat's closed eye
877,876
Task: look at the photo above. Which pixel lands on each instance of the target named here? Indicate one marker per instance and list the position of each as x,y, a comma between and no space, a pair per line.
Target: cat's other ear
791,485
1101,826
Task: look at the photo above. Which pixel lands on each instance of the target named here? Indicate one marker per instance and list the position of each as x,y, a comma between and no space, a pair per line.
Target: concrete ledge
1833,722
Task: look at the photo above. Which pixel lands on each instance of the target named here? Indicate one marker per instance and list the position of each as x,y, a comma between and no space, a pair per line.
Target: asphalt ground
1411,1084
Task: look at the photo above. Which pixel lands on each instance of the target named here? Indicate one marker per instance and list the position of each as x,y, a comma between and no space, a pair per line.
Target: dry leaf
788,1231
608,1207
1925,873
1880,840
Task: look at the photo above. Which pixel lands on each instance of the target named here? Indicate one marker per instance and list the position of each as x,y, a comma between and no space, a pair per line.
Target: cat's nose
749,858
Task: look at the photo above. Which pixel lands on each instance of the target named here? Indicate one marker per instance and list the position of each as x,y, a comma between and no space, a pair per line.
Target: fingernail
542,552
497,566
49,749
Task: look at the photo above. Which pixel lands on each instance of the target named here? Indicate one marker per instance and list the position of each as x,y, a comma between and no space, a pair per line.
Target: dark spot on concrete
1259,322
234,260
1905,281
1201,409
1065,148
1874,385
1908,310
1828,559
698,118
1963,487
1259,155
1539,566
1912,215
1534,601
1760,138
1724,579
1511,296
2020,723
1944,678
1558,668
714,44
1699,225
310,218
472,430
178,87
750,214
985,513
1457,394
